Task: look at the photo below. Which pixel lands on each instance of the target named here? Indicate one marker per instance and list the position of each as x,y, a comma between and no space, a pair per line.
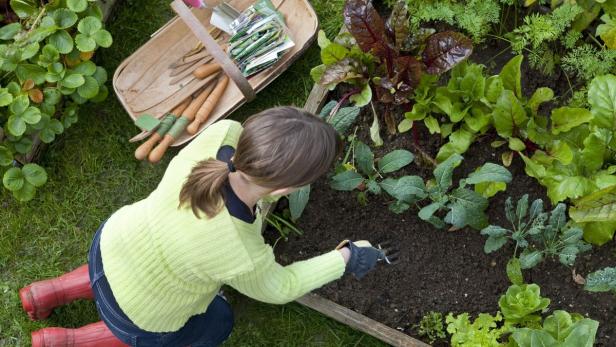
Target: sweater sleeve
276,284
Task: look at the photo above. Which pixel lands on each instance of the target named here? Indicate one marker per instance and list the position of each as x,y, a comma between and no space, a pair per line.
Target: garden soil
440,270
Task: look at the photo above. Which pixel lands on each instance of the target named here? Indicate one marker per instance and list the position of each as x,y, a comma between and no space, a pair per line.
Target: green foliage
603,280
587,62
360,170
520,319
537,234
559,329
460,207
40,67
483,331
341,118
523,304
540,31
385,67
431,326
475,17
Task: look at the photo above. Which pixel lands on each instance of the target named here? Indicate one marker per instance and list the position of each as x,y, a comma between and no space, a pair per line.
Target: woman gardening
155,268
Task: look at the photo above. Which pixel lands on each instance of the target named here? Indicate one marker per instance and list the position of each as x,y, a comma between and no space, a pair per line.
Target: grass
92,173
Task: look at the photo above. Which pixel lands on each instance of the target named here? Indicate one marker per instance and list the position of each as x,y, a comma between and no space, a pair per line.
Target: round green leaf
31,115
9,31
62,41
6,156
49,55
56,126
52,96
85,43
73,81
26,193
89,89
16,126
65,18
89,25
30,51
31,72
34,174
100,75
6,98
103,38
13,88
78,99
47,136
86,68
103,92
24,145
94,11
77,5
19,104
13,179
24,8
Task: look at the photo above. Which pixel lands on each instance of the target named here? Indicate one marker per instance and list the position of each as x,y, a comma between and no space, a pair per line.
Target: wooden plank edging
359,321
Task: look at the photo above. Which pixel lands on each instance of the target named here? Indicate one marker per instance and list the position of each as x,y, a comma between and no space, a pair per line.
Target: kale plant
537,235
431,326
603,280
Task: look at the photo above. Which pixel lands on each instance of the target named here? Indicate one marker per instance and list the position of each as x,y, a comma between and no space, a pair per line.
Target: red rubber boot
40,298
91,335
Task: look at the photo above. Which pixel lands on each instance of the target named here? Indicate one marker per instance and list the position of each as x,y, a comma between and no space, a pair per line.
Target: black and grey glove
363,257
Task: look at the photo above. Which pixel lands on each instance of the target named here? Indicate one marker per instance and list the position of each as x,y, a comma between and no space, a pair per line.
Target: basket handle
210,44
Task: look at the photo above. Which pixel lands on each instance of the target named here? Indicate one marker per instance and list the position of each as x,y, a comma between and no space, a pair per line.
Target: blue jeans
208,329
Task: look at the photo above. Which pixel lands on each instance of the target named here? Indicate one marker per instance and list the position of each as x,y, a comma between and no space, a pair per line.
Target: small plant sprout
431,326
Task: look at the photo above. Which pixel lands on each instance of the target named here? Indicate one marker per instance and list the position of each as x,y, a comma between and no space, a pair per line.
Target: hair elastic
231,166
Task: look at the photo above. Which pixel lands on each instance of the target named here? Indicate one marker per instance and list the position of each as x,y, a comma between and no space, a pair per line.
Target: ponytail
282,147
202,190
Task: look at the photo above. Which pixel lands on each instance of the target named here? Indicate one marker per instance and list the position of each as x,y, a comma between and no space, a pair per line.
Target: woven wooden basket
142,81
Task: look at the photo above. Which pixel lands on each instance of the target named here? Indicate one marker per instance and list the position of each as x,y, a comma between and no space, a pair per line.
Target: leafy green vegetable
603,280
536,233
523,303
483,331
559,329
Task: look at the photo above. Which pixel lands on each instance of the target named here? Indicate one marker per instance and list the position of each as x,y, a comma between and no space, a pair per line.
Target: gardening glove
363,257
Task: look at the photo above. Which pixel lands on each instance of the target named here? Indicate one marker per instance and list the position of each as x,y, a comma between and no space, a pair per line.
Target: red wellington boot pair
40,298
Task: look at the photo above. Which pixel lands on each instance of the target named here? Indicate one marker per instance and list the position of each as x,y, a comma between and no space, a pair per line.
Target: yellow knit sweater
164,265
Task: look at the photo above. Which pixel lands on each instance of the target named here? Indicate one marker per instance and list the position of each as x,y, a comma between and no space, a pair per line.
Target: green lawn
92,173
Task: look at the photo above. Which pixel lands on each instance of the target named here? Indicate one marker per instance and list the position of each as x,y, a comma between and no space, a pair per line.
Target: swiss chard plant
382,59
519,323
537,235
45,57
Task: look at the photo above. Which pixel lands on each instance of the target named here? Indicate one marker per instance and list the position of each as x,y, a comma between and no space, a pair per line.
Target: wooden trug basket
141,82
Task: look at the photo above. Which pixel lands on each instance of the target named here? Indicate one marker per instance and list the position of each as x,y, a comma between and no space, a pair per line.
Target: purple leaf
445,50
398,24
365,24
341,71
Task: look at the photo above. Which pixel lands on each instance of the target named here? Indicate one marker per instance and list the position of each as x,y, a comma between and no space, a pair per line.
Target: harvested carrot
180,124
145,148
206,70
208,106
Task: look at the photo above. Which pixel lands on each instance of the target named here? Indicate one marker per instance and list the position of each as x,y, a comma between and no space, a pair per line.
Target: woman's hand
362,257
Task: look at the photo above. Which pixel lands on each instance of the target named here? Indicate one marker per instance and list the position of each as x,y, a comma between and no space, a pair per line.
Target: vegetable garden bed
447,270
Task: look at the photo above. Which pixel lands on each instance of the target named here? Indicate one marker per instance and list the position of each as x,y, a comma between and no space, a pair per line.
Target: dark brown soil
440,270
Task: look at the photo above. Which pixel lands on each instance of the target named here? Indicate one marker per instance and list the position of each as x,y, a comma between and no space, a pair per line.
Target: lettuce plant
383,57
559,329
537,234
523,303
47,72
519,323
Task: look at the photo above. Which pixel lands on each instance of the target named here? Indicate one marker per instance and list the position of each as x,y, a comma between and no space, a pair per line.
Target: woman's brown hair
281,147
